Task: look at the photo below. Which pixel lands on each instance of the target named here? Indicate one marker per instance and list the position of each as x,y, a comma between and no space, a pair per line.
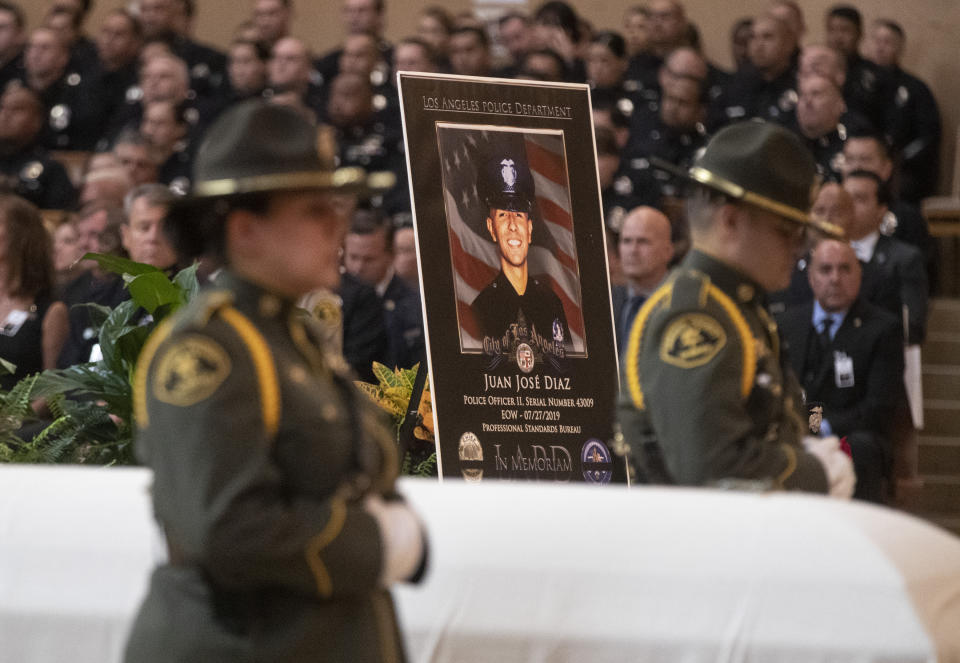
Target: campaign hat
765,165
259,147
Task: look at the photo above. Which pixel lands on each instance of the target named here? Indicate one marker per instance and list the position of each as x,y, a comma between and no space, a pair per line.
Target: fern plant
92,404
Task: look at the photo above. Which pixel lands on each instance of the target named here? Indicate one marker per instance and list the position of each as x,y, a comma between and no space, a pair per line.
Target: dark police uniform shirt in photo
498,306
706,396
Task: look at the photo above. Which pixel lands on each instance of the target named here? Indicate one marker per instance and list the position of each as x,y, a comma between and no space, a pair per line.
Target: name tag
14,322
843,370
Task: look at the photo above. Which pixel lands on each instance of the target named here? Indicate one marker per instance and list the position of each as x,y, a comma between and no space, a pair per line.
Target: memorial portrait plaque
513,270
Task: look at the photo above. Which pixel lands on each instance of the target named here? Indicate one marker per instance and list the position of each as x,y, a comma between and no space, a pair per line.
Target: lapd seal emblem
471,457
525,359
596,462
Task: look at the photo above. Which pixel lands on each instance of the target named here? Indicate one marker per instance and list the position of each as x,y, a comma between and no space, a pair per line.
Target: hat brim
343,180
707,178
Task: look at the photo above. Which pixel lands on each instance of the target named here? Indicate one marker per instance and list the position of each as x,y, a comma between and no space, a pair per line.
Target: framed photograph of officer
514,259
513,273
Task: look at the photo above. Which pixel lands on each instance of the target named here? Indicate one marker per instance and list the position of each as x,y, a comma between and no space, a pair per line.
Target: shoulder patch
190,370
692,340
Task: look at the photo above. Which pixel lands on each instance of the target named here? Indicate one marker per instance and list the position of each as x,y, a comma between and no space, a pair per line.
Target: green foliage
392,394
94,424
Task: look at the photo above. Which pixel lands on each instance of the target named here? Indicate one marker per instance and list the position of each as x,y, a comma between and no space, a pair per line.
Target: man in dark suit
848,355
894,273
645,253
368,255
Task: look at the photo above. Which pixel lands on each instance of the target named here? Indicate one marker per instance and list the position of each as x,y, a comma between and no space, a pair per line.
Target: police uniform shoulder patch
692,340
190,371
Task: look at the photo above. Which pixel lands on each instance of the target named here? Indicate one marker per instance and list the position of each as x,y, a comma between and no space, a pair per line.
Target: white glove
401,536
838,465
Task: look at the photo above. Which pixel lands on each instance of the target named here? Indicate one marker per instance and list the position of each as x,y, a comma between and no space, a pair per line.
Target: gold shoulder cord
330,531
791,455
156,338
263,363
633,344
746,339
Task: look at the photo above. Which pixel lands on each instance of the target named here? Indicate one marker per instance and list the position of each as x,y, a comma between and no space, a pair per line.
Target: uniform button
329,412
269,306
298,374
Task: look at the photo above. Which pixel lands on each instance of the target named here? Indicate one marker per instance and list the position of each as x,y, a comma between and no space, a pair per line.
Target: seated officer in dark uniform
865,87
819,109
707,397
26,168
910,112
515,296
72,100
766,86
675,133
12,25
118,44
273,475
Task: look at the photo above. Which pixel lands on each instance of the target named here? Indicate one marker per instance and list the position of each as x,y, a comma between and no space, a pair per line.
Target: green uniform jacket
706,397
261,450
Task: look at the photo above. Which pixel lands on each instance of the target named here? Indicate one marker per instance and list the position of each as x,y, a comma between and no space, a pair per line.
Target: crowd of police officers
652,87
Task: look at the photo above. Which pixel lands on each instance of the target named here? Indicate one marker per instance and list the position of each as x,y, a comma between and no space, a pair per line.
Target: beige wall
931,25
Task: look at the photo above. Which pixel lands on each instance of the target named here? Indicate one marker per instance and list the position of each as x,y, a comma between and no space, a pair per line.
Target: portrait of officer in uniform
509,218
514,297
707,396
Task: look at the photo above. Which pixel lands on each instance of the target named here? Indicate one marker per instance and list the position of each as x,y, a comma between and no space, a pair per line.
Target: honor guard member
25,167
514,297
274,478
707,397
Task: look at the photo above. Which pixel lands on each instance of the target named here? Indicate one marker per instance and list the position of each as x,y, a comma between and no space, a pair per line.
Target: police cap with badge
762,164
255,148
506,183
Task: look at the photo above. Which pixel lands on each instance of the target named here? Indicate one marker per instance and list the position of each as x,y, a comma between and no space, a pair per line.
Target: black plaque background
454,374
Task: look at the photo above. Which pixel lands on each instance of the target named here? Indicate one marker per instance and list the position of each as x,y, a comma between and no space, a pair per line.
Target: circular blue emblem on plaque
596,462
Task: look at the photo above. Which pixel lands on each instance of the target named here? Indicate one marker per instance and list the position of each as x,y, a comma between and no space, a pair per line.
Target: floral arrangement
392,393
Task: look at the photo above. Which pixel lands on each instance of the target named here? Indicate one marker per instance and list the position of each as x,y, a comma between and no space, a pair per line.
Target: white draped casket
534,572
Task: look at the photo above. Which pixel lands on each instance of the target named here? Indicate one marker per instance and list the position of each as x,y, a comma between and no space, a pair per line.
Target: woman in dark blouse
32,326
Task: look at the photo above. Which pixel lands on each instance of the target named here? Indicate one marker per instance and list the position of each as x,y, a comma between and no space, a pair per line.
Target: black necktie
825,326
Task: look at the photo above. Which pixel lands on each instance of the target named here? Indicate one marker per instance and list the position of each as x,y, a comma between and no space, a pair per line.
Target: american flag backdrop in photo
476,260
